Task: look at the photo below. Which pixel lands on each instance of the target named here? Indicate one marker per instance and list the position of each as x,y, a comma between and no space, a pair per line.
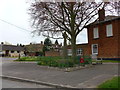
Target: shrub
55,61
61,63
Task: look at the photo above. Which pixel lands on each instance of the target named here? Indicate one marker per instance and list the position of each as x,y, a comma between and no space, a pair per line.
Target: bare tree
115,5
54,18
65,45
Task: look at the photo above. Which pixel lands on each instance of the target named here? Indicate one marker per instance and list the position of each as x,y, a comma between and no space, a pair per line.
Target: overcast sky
16,12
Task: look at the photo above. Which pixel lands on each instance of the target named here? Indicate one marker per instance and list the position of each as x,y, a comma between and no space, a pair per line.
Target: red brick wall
107,46
31,54
118,38
84,47
52,53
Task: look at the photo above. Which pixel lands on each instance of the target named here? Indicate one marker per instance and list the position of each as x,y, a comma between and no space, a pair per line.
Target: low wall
52,53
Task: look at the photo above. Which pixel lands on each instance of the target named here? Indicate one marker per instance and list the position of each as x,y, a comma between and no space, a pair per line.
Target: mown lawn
113,61
37,58
112,83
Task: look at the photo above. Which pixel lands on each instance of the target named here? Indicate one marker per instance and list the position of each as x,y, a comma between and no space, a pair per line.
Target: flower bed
57,61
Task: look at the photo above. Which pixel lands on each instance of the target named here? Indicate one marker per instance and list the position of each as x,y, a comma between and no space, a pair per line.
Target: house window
109,31
94,48
79,51
69,52
95,33
12,51
1,52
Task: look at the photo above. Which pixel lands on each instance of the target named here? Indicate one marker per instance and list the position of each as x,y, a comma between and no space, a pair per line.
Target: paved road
7,83
89,77
6,60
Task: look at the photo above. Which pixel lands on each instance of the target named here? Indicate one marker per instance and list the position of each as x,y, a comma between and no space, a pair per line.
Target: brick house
55,50
103,38
81,49
37,49
52,53
11,50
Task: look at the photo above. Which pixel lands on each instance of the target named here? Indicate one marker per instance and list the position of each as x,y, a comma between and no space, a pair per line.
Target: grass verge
113,61
37,58
112,83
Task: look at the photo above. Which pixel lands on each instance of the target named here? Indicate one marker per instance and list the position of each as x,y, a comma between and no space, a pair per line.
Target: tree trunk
65,49
65,46
73,47
73,36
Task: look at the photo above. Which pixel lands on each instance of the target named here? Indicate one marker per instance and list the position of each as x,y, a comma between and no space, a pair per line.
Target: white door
94,49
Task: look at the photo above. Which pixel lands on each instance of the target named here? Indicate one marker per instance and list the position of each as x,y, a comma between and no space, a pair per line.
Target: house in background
81,49
37,49
55,50
103,38
34,49
11,50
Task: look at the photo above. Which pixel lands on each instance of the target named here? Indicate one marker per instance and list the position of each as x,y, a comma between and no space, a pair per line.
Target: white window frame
1,52
79,51
109,30
92,49
95,33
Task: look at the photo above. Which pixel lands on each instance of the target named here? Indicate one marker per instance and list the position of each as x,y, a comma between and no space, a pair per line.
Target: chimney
41,42
101,13
2,42
17,44
60,44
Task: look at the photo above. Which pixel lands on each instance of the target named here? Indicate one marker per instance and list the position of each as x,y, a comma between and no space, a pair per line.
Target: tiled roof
34,47
58,46
38,47
78,45
11,47
107,18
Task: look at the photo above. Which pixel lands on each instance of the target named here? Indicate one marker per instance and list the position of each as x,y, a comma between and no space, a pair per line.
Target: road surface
88,77
7,83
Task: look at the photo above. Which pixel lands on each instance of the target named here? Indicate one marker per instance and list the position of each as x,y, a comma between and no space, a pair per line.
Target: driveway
89,77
